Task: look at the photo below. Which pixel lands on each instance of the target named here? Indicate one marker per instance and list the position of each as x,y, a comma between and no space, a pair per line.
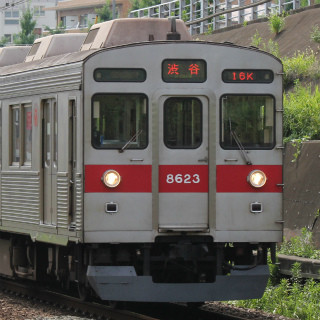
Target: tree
60,29
104,13
3,41
26,36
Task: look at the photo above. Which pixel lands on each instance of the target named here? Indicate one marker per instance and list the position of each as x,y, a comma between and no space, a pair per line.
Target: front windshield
119,120
248,117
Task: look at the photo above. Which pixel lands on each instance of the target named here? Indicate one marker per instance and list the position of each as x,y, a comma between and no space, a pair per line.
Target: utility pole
113,9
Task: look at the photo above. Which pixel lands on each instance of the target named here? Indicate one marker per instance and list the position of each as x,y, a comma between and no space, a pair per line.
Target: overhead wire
9,5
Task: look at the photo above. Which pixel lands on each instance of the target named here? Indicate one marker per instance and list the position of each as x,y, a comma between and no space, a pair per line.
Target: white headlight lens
111,178
257,178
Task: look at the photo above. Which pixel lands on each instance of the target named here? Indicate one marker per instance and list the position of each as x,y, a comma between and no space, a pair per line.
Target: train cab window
119,121
247,120
182,123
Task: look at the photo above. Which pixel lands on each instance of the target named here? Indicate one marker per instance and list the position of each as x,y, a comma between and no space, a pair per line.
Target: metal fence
208,15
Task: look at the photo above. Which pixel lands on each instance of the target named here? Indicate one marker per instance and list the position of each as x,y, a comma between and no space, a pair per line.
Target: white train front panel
163,124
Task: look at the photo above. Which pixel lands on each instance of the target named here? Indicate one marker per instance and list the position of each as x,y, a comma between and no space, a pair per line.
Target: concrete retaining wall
302,189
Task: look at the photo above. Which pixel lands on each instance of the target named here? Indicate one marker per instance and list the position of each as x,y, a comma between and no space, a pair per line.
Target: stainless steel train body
149,171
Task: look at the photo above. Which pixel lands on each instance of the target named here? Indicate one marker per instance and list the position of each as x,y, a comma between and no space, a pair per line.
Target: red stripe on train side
183,178
134,178
233,178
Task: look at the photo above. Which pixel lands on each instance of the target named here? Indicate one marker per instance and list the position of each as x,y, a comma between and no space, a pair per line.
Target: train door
49,160
183,163
72,159
0,158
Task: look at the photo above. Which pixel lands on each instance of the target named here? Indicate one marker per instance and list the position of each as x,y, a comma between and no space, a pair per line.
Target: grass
303,65
276,23
315,34
293,297
301,113
301,246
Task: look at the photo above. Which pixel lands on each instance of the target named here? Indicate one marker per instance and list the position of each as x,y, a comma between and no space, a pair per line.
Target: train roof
13,55
105,36
80,57
55,45
123,31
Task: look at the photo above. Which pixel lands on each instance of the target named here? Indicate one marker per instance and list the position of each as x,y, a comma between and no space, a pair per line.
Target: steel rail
71,303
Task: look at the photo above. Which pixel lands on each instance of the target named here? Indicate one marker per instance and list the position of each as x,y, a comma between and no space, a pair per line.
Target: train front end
183,171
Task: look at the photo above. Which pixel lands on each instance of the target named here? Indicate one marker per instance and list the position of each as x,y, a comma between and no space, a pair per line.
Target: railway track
91,309
134,311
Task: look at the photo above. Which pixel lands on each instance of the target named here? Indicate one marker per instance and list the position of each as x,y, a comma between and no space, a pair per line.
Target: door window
183,123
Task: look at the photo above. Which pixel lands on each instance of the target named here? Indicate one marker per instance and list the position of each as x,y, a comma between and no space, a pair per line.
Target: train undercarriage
187,263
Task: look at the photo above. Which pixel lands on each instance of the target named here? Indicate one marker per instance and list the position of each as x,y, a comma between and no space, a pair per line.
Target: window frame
22,162
24,120
245,146
165,124
119,94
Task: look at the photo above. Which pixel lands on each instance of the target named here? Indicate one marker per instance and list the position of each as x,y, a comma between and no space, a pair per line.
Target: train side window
15,135
27,136
247,120
119,121
21,134
0,136
183,123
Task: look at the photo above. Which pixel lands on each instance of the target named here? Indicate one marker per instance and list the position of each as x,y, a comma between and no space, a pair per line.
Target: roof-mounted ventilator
173,35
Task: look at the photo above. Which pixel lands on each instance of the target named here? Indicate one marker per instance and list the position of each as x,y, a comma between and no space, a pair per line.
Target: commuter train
139,165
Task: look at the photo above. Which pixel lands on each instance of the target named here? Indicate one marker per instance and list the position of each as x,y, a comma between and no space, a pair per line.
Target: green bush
271,46
301,113
290,298
276,23
315,34
301,65
301,246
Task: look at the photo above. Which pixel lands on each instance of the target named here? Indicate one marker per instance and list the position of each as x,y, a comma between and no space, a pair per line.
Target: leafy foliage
276,23
302,65
104,13
315,34
301,246
271,46
290,298
301,113
26,36
60,29
3,41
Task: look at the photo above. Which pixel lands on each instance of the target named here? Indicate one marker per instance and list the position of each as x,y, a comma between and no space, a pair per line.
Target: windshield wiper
134,137
243,151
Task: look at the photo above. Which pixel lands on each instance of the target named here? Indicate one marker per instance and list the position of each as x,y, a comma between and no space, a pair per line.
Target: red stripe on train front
233,178
182,178
133,178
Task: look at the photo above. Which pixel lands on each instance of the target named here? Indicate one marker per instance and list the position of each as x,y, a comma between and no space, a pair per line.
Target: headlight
111,178
257,178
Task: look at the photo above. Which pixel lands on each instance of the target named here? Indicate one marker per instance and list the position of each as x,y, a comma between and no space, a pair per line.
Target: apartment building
11,11
79,14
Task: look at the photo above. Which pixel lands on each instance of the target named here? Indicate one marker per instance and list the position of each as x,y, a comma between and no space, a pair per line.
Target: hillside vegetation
295,39
297,44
